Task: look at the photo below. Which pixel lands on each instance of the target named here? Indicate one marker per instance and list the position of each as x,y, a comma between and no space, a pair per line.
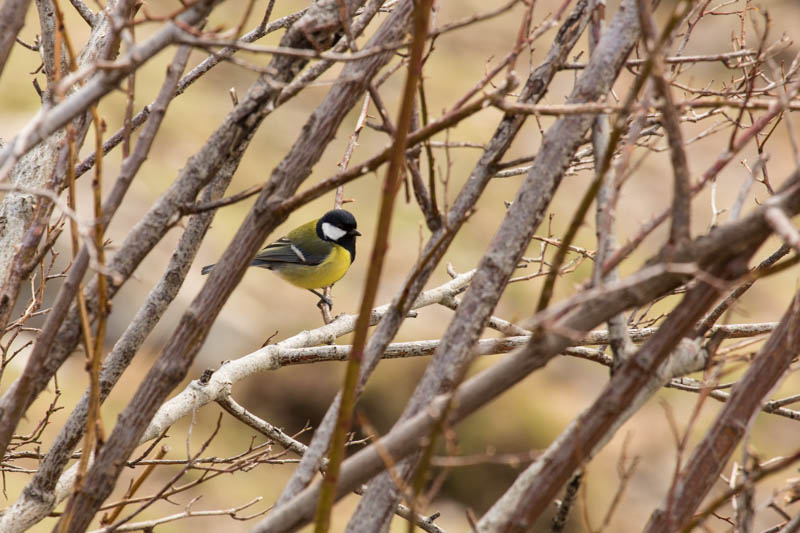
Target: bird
314,255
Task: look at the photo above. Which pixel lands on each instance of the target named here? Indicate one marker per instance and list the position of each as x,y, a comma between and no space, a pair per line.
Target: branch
148,525
711,455
218,157
12,18
218,385
775,109
243,415
46,168
49,120
605,108
421,19
195,74
681,195
773,407
783,227
559,144
437,245
724,244
41,362
726,58
187,338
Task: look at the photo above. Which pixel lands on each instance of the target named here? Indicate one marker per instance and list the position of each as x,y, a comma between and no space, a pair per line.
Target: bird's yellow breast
326,273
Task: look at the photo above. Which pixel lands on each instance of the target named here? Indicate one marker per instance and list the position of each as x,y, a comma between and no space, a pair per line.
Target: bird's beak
356,233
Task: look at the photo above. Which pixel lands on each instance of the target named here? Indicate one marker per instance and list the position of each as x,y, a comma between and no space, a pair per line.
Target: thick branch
437,245
49,120
12,17
711,455
523,217
721,246
174,362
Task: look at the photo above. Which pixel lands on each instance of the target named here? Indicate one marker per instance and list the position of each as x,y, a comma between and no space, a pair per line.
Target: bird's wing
283,251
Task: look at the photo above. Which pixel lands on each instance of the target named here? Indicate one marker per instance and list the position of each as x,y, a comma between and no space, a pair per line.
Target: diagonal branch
49,120
712,454
434,250
219,156
25,389
204,66
38,496
12,18
185,342
560,142
723,245
394,174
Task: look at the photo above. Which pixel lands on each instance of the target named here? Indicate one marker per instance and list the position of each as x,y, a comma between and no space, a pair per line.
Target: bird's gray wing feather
283,251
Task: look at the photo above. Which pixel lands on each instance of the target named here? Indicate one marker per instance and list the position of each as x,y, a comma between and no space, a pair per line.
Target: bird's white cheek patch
332,232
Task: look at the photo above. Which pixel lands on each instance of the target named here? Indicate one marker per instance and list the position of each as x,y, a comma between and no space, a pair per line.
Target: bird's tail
256,262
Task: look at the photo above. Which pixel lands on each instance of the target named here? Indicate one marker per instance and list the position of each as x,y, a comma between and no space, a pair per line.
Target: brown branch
187,338
446,121
764,472
195,74
726,58
712,317
727,243
681,196
596,108
230,139
711,455
589,429
137,483
772,407
421,18
507,246
50,120
434,250
45,479
95,435
614,138
426,199
12,18
41,361
775,109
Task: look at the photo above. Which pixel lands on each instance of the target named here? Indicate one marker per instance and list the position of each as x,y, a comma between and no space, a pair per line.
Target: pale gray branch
268,358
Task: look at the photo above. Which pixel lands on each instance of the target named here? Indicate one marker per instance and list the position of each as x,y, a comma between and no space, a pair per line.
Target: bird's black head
339,226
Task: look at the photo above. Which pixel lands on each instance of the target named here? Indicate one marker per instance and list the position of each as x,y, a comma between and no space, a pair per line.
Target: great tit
314,255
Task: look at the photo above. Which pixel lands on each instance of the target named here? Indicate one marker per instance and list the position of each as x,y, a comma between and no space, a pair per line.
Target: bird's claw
323,299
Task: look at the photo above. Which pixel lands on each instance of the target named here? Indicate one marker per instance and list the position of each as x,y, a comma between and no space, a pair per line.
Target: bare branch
49,120
522,218
680,195
12,17
711,455
263,218
435,248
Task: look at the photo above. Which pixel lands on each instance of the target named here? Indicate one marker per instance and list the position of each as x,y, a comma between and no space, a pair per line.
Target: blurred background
528,417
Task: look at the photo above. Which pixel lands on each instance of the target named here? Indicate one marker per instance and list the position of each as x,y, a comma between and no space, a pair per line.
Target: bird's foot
323,300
